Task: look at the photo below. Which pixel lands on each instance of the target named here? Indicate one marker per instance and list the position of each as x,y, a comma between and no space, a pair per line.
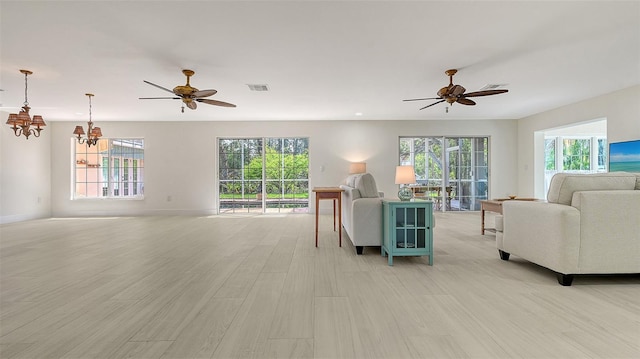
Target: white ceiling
322,60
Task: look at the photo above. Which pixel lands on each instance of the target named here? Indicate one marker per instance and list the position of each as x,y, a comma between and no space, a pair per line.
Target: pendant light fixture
93,133
21,122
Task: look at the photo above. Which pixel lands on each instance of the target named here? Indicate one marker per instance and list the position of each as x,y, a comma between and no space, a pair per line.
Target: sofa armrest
350,193
610,231
544,233
366,223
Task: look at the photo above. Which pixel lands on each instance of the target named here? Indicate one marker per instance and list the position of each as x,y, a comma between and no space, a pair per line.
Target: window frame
459,156
598,156
244,193
106,186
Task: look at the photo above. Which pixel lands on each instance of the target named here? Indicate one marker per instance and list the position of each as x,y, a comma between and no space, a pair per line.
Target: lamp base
405,194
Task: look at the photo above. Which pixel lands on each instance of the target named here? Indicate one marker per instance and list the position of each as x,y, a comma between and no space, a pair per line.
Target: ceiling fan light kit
456,93
189,95
21,122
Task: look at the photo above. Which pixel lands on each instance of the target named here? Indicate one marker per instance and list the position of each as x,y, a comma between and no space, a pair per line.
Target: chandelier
93,133
21,122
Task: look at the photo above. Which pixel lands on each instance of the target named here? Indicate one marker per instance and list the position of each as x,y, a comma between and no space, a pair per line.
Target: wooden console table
495,205
332,193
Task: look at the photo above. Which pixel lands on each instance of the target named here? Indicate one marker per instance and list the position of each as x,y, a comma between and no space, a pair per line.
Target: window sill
136,198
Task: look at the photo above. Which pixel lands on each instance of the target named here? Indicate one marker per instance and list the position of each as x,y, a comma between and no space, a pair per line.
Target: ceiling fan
188,94
455,93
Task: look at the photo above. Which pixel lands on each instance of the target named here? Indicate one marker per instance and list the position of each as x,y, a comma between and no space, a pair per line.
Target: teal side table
407,228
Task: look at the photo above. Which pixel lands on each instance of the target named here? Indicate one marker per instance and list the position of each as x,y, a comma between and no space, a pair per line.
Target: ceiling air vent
492,87
258,87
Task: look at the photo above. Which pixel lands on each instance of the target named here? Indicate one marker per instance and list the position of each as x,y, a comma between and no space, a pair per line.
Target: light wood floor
256,287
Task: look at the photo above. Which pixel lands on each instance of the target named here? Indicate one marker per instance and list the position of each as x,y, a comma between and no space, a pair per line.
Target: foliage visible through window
279,172
602,154
576,154
450,169
550,154
113,168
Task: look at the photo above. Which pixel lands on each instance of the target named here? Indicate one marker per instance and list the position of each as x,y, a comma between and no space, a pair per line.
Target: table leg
482,225
334,214
339,218
317,201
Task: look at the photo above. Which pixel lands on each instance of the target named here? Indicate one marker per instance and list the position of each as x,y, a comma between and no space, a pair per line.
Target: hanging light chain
26,101
89,95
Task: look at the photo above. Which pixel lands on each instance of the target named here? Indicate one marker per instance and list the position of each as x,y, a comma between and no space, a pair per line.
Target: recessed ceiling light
358,113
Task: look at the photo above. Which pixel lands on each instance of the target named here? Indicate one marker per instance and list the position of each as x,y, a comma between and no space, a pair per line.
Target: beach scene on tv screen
624,156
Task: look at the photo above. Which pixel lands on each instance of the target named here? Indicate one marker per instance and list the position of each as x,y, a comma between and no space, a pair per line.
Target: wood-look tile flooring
256,287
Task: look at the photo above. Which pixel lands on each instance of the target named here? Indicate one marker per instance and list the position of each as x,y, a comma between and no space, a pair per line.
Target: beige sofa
590,224
362,211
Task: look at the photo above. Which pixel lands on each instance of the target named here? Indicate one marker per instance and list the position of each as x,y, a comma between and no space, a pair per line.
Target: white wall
180,158
25,175
621,109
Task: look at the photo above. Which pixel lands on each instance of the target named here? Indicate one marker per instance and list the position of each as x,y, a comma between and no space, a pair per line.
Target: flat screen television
624,156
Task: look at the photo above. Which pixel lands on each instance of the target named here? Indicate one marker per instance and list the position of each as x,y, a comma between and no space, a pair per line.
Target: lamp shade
357,167
24,118
38,121
96,132
13,119
405,175
78,131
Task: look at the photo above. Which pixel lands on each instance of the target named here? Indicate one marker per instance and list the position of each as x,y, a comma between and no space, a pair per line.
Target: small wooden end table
491,206
495,205
332,193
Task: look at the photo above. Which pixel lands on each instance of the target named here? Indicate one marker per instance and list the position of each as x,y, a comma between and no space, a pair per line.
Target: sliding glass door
263,175
452,171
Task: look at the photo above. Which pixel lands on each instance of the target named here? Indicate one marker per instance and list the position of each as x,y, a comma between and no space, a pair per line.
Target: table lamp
357,167
404,176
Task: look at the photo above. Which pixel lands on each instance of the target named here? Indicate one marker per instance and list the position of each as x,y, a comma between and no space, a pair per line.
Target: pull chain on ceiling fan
189,94
456,93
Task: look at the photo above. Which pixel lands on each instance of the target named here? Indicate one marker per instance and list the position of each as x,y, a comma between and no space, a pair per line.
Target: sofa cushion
563,185
367,186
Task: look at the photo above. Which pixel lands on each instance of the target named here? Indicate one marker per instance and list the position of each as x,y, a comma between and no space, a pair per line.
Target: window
550,154
602,155
574,154
453,171
263,175
113,168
